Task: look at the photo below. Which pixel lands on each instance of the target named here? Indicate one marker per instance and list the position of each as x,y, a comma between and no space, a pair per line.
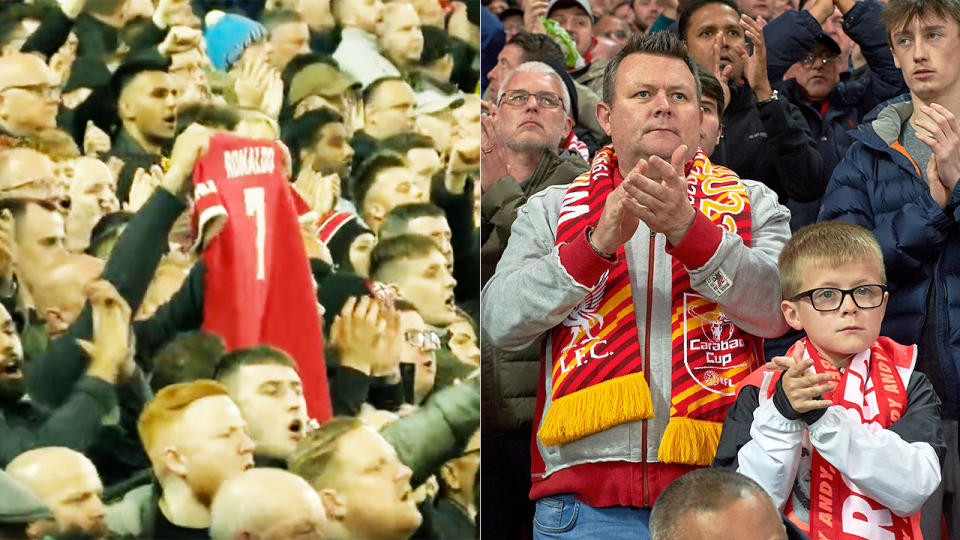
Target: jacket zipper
646,359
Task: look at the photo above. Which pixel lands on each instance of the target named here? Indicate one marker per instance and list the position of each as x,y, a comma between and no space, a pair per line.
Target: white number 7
253,199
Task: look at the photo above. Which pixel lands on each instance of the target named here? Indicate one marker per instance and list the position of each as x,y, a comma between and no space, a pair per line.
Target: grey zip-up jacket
532,291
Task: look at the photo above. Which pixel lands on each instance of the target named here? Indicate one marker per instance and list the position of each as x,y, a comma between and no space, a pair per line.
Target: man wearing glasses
805,65
29,95
530,116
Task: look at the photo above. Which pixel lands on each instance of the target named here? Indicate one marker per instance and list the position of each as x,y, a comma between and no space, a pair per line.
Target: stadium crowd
239,256
717,234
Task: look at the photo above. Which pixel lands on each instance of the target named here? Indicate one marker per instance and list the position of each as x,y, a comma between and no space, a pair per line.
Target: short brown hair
314,455
899,13
664,44
166,409
827,244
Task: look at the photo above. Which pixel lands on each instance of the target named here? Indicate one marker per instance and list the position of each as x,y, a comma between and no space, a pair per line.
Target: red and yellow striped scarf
598,379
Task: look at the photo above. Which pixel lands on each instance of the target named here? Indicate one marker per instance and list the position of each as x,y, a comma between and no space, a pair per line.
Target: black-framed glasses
519,98
830,299
824,59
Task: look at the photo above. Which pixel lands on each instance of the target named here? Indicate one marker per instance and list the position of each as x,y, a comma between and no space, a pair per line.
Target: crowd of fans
239,253
620,328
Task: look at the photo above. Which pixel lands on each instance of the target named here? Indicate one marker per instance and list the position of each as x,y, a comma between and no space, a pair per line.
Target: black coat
771,143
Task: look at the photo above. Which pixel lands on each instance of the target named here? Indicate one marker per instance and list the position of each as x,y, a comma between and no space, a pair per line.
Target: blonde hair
827,244
166,410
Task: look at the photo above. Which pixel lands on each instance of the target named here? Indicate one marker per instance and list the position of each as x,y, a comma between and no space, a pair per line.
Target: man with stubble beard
75,424
147,112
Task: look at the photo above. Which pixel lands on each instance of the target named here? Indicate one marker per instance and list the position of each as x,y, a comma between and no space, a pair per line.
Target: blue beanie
229,37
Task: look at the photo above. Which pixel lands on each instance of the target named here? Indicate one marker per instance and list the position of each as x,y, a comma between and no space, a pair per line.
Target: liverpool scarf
597,364
874,387
880,373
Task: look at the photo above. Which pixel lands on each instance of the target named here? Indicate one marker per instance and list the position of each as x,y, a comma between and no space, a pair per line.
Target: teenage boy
847,439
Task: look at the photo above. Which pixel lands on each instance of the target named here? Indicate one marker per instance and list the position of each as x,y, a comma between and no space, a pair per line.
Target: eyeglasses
519,98
425,340
824,59
41,90
830,299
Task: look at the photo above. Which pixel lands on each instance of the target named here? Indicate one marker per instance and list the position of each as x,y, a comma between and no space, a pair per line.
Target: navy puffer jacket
877,185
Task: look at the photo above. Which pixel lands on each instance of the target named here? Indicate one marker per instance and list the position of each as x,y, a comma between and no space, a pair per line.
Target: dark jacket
878,186
133,156
130,269
770,143
790,35
350,389
75,424
510,379
776,462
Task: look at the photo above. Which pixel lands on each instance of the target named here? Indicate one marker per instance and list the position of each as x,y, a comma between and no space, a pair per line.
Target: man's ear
53,317
450,477
603,116
333,504
896,61
791,314
567,128
376,211
173,461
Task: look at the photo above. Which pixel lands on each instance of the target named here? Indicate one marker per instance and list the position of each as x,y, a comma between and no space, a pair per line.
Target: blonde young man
846,439
196,439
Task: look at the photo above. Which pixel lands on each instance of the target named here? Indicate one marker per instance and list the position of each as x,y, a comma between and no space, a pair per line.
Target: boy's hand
782,363
803,387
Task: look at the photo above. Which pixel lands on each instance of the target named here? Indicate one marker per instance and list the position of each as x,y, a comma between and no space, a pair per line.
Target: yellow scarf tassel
689,441
596,408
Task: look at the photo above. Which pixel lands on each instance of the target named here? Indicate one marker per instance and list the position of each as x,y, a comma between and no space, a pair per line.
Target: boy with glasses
844,434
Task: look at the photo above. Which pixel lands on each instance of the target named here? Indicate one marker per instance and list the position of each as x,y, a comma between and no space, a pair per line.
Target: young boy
845,435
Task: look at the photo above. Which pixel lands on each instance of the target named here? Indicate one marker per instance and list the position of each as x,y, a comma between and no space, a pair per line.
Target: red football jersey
258,287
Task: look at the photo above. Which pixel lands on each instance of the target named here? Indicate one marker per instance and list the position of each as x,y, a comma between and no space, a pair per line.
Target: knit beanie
228,35
338,230
335,290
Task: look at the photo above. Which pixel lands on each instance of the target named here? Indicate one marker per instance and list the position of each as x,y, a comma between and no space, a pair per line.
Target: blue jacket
791,35
878,185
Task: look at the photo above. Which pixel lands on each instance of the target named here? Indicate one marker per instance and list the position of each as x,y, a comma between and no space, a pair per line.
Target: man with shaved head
29,95
292,510
703,502
68,484
400,37
612,28
26,173
91,197
58,294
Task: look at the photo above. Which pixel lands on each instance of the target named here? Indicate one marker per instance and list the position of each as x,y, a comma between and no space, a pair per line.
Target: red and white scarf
874,387
575,144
